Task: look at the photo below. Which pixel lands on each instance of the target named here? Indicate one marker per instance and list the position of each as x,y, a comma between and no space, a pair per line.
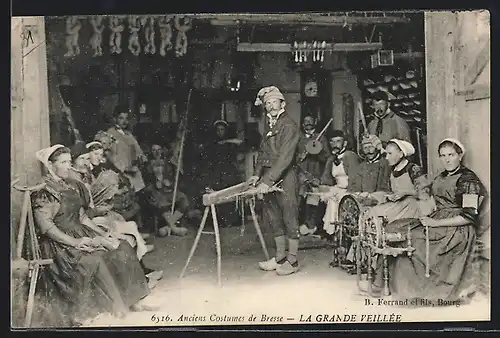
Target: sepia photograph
263,169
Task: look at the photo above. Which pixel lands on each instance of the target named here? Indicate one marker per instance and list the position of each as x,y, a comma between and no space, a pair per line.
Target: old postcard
206,169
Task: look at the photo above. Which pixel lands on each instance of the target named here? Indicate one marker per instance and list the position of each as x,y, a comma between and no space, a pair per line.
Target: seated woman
80,170
99,191
92,272
406,199
125,200
458,194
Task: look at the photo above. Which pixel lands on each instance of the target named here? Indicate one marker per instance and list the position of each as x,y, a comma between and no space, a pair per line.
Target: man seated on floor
160,195
156,158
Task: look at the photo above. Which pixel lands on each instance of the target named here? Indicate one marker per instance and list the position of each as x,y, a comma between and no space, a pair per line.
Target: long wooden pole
365,128
179,161
363,119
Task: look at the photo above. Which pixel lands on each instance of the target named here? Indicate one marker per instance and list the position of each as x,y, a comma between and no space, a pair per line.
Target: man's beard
336,150
308,127
371,156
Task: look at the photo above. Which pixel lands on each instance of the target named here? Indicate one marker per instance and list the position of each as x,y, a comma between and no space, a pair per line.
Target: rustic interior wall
458,107
344,82
29,124
29,111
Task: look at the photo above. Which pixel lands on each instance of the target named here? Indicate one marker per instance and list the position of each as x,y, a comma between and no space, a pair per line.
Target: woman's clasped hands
106,242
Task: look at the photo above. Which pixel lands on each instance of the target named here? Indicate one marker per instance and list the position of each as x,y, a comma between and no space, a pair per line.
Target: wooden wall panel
30,105
454,42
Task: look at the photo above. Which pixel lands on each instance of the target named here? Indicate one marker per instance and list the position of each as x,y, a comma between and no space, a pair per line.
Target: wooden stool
36,262
211,208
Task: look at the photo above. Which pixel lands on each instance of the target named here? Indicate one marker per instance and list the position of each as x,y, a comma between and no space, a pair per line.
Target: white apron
332,206
115,224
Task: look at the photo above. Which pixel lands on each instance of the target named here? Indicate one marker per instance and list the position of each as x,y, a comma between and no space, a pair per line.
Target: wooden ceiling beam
285,47
284,19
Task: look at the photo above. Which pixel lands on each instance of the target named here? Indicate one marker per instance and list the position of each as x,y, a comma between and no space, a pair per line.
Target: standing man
127,154
275,162
310,169
387,125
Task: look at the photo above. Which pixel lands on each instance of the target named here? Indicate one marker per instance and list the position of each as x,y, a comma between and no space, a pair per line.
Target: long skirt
81,285
453,276
406,208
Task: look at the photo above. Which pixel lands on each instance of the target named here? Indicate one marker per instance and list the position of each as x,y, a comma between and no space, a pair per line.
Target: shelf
404,88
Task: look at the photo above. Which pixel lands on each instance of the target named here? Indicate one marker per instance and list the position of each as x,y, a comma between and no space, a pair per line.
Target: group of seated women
445,209
95,266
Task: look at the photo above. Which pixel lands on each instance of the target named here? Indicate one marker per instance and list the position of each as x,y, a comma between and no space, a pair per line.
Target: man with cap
387,125
341,167
126,151
371,180
275,164
310,169
374,171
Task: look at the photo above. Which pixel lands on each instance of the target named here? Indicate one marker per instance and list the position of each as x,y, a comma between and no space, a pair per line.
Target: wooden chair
35,261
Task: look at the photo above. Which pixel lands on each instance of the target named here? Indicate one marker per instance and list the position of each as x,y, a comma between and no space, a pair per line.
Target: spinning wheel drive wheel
350,210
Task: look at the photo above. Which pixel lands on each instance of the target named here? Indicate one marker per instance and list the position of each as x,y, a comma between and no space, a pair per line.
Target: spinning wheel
351,207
